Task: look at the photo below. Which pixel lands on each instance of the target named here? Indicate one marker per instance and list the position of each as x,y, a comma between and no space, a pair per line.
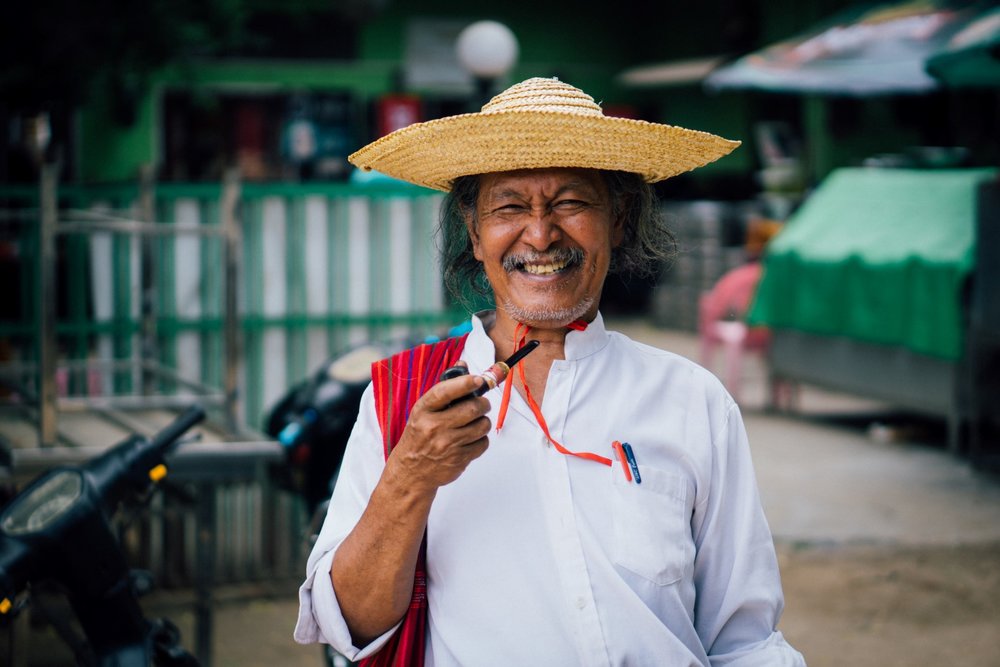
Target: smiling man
544,238
600,509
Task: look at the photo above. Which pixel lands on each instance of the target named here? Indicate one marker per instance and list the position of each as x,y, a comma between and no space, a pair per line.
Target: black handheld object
493,375
453,372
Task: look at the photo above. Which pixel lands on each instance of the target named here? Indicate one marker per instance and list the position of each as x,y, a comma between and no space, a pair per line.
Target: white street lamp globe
487,49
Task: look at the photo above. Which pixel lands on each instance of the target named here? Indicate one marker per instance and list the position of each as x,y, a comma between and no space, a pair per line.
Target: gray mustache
516,262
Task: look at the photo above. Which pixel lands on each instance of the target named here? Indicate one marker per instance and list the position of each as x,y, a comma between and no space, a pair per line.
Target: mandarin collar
579,344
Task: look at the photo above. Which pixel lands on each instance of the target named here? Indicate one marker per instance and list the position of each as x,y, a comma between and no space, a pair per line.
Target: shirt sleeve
736,570
320,618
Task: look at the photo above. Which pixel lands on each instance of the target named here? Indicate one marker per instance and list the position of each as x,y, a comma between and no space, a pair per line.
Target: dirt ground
881,606
858,606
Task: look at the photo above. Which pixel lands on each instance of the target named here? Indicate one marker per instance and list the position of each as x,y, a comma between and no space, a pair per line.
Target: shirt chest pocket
652,525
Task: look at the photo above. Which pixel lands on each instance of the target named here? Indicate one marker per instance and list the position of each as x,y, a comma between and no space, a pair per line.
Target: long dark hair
646,245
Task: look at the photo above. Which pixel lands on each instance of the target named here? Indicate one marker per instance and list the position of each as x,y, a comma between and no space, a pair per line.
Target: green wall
111,152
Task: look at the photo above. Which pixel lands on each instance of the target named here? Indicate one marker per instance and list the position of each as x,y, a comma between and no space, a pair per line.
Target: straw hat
535,124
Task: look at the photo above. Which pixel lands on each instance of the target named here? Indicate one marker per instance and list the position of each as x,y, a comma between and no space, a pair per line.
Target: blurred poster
396,112
317,134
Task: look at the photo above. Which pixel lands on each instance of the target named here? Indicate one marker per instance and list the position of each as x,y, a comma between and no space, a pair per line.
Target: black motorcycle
60,530
314,419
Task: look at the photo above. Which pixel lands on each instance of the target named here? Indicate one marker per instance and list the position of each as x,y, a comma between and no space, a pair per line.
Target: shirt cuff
320,618
771,652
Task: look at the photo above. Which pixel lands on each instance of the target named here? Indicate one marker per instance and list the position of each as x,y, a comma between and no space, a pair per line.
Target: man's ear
470,228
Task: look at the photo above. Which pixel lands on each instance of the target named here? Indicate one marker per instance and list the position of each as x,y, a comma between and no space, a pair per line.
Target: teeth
543,269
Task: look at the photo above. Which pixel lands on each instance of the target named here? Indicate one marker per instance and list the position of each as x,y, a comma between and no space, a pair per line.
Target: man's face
545,237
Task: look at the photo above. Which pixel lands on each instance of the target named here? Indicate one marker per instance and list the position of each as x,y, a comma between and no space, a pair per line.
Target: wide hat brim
530,136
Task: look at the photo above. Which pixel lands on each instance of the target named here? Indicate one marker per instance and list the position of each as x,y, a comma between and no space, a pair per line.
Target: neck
552,337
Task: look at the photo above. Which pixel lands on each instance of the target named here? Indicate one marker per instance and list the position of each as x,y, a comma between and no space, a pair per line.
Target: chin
548,317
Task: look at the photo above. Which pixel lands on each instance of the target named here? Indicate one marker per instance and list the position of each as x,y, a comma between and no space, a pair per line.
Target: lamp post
487,50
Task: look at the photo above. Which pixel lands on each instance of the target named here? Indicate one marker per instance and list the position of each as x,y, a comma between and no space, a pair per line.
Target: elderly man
600,508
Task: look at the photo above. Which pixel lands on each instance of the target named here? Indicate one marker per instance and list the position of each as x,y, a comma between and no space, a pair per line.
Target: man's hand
446,430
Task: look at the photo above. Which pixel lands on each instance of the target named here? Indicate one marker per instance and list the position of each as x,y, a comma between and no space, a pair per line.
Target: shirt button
580,602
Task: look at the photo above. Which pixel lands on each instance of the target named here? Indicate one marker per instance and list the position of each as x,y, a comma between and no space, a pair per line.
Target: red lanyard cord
519,340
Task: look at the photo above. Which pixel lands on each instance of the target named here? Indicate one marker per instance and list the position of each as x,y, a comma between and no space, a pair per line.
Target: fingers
445,393
428,459
459,423
447,429
473,432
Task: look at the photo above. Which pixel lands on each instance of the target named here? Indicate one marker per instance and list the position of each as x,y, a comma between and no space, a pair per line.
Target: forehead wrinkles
544,192
535,188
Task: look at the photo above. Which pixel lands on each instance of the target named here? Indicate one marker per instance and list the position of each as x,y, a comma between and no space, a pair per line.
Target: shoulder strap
404,377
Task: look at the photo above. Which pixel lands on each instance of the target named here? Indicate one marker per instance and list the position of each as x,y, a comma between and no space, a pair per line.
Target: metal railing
145,298
232,292
34,384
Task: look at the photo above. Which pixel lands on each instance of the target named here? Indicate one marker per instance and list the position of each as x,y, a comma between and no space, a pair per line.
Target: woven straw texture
535,124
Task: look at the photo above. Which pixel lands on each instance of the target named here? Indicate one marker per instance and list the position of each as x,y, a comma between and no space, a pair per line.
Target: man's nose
541,230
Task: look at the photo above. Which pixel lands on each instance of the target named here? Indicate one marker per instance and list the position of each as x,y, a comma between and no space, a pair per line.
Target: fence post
232,251
46,314
148,273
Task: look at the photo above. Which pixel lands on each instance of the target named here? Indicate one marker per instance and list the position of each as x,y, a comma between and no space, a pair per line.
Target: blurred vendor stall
971,58
864,50
870,289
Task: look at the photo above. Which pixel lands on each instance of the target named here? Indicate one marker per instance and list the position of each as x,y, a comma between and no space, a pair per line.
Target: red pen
620,455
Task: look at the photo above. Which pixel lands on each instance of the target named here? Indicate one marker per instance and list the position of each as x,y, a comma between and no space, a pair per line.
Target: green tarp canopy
878,255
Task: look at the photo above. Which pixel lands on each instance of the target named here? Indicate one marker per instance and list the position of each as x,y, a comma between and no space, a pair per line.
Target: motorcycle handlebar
73,542
166,439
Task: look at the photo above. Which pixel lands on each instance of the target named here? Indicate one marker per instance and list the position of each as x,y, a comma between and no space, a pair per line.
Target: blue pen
630,455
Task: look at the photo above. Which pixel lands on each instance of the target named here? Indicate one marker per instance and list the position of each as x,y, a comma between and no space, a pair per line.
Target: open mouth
545,269
544,264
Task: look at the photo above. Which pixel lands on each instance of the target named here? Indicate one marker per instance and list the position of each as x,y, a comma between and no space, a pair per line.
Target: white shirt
537,558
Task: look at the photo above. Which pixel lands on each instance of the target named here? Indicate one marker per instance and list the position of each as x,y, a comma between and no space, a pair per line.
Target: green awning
879,255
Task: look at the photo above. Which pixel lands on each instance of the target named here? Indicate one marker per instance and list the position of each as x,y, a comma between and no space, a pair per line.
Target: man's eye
570,204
